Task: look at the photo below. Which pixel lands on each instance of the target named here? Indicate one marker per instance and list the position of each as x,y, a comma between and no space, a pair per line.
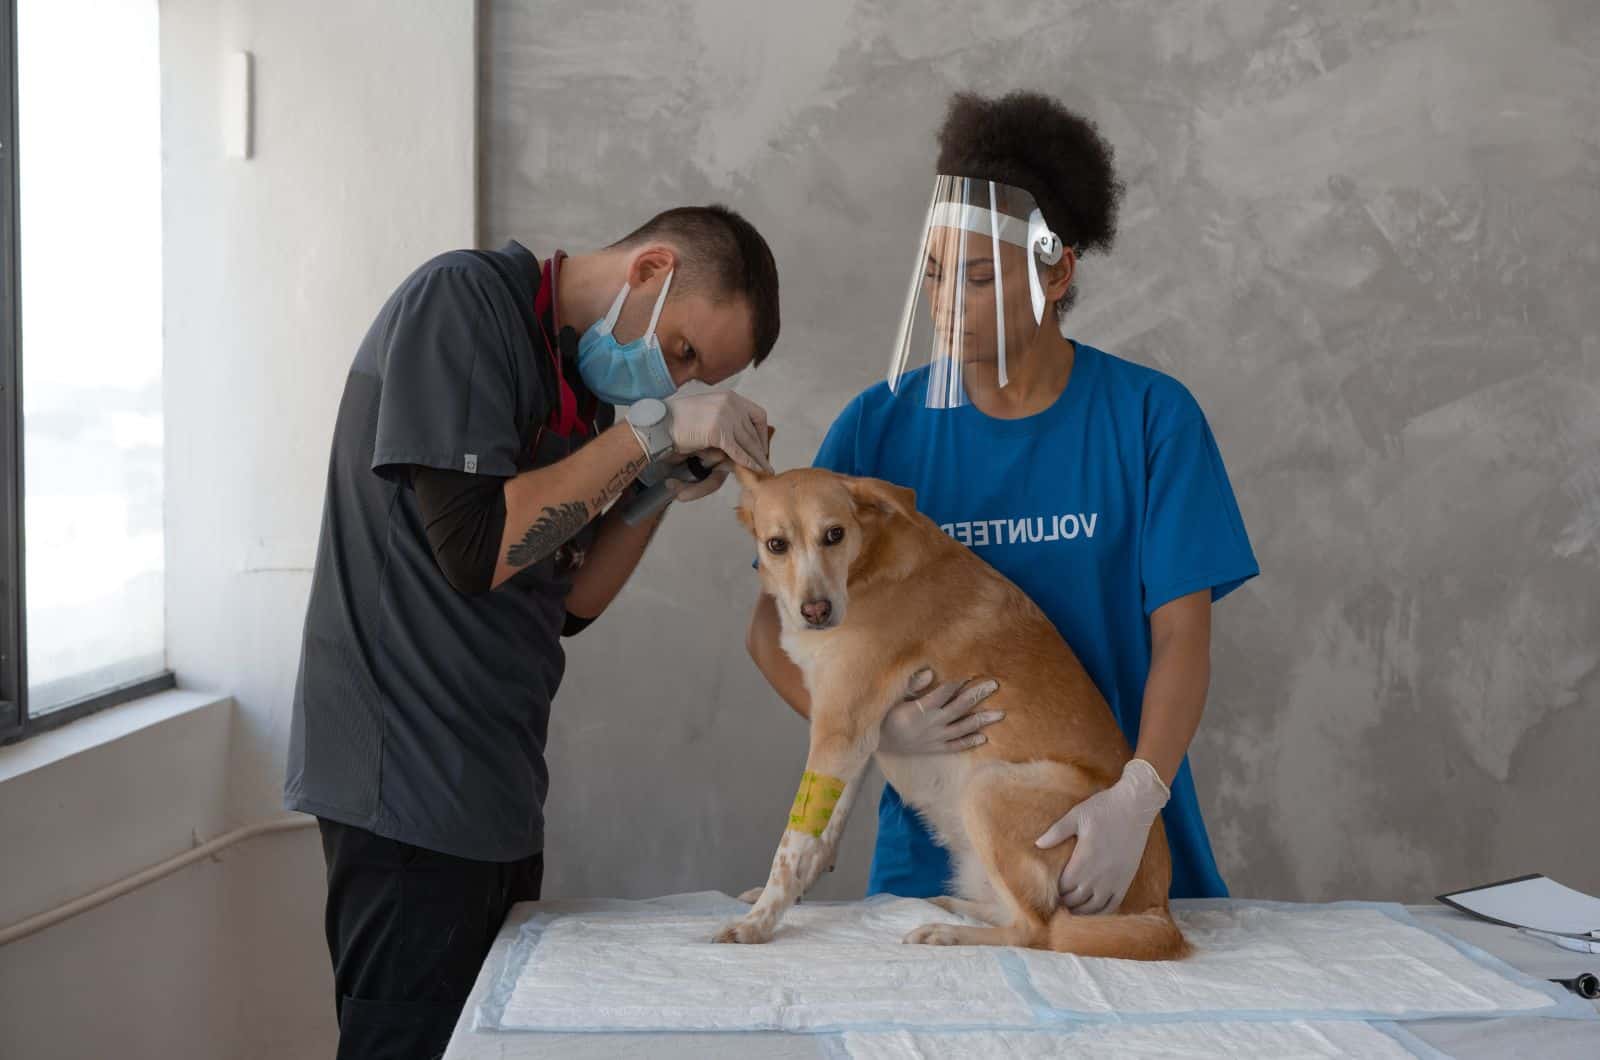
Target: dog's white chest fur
807,650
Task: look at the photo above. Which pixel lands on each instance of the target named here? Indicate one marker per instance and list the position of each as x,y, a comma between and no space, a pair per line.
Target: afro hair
1033,142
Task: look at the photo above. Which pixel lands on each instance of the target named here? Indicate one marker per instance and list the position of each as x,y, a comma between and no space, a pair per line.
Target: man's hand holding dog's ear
938,720
715,459
721,420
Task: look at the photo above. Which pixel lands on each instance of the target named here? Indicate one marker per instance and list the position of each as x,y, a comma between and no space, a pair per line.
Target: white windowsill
101,728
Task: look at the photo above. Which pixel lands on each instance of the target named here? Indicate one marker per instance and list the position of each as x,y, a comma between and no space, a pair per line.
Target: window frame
13,660
15,722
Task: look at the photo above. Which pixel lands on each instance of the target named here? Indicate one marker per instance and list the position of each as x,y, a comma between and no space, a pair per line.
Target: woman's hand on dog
1112,828
938,719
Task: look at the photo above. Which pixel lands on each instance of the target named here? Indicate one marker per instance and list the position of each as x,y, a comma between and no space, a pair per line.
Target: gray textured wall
1363,234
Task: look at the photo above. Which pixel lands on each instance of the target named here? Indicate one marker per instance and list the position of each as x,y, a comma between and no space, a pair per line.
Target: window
80,420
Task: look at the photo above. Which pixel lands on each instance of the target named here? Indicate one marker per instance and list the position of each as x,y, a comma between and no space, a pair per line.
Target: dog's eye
777,546
834,535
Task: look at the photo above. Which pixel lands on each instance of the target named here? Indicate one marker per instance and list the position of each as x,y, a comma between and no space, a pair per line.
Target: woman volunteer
1091,482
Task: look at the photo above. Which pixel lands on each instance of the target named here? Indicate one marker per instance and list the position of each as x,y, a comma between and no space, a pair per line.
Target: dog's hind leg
971,894
988,912
1005,808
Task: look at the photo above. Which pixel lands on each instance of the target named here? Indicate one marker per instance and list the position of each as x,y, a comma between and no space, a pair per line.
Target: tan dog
870,591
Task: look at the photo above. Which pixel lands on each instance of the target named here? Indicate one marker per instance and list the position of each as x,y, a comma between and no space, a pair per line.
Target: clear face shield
977,293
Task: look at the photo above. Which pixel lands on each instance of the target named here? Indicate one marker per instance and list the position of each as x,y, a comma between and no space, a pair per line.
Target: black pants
408,929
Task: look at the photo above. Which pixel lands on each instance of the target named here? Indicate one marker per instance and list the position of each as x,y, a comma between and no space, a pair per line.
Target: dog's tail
1147,936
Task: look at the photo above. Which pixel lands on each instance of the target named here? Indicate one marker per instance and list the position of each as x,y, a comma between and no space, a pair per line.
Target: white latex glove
721,420
1112,827
693,491
936,720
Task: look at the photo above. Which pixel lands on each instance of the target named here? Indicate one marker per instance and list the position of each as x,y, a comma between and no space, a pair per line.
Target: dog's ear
748,481
882,498
747,478
746,516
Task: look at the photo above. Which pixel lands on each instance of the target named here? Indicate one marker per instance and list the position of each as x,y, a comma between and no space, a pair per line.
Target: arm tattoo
557,525
619,482
553,528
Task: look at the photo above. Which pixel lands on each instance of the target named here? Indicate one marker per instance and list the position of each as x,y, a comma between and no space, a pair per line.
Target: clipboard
1533,902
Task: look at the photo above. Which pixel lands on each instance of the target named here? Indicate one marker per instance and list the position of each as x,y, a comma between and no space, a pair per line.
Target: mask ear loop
655,314
999,287
609,321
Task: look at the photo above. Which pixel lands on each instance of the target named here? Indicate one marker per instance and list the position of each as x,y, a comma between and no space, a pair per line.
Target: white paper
1539,903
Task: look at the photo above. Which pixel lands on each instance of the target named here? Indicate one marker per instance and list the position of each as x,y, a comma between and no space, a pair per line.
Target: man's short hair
723,255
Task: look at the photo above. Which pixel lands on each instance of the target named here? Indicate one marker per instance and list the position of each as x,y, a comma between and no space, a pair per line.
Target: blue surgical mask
621,374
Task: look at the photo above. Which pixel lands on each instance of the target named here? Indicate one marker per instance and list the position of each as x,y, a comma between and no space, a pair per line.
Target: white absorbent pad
1290,1040
843,967
1265,960
830,966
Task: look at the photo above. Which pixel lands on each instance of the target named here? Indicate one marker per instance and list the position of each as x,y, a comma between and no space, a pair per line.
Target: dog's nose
816,612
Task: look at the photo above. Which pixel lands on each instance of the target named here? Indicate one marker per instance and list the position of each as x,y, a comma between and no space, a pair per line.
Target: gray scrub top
420,713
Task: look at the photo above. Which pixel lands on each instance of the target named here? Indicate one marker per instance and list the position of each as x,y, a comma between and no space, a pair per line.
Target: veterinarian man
1092,483
465,531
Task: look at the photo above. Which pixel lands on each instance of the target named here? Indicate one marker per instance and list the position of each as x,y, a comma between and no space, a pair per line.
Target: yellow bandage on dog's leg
814,802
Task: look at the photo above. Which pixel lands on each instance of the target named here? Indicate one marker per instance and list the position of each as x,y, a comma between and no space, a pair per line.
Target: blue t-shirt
1101,508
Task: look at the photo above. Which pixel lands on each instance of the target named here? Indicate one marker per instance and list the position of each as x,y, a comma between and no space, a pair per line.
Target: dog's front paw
934,935
745,930
753,895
